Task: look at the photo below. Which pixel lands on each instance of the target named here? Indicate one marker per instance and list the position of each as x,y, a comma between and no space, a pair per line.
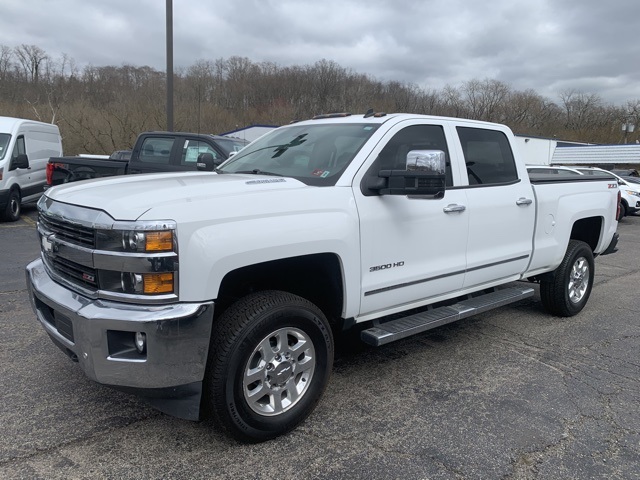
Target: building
548,151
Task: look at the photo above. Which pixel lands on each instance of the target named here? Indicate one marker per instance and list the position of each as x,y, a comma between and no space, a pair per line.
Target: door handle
524,201
454,208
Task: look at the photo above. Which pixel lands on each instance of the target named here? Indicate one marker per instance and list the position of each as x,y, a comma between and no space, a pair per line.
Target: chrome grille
74,272
70,232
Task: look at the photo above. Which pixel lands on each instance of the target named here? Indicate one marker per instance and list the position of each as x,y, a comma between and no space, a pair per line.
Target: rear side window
488,156
156,150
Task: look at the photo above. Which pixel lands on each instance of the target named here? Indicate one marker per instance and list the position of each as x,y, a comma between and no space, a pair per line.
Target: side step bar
397,329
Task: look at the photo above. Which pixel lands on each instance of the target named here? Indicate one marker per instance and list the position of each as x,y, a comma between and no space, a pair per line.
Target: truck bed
72,169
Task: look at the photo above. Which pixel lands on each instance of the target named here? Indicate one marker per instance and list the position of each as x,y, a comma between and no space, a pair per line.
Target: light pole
170,65
627,128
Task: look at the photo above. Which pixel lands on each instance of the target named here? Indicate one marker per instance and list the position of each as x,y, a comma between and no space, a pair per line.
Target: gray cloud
544,45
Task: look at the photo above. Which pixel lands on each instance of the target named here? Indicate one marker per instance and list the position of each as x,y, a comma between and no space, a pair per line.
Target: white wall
535,151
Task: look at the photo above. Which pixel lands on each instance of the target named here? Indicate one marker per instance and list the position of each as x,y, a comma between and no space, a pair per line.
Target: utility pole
170,65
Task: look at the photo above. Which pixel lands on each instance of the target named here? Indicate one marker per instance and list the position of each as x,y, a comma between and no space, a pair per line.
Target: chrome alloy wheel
578,280
279,371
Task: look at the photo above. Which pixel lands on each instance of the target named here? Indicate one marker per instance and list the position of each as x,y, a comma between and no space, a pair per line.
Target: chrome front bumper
99,335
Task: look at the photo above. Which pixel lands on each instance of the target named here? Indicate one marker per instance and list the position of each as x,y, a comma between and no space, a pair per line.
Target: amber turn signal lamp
159,241
158,283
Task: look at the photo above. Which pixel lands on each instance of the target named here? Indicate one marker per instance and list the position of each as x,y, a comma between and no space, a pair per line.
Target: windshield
231,145
4,143
313,154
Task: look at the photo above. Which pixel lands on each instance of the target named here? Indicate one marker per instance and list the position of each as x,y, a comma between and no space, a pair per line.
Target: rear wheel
566,292
12,210
270,359
623,211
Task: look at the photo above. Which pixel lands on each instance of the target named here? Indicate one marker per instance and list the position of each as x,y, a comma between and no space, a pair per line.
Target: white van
25,148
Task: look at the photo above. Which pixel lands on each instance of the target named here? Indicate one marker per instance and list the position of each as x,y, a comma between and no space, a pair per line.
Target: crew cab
152,152
221,292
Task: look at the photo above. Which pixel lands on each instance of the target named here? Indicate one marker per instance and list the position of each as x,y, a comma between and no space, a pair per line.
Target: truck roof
187,134
379,118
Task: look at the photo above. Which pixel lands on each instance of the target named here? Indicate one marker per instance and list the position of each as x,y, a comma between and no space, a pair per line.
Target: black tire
623,211
565,293
248,337
13,209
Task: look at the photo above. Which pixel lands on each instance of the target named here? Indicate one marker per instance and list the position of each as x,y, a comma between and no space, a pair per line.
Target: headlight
632,192
141,260
135,240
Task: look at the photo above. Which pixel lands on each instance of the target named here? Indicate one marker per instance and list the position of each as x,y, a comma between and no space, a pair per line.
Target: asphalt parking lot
510,394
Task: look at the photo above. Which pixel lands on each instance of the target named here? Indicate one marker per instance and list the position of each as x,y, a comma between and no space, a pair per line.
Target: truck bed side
71,169
570,207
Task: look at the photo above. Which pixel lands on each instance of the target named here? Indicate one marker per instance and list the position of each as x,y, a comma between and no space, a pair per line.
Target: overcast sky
550,46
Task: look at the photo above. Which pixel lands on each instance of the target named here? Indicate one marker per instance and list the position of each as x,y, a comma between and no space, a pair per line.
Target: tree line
100,109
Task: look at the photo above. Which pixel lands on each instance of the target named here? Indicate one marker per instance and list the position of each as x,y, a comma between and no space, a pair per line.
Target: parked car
25,148
630,192
552,170
629,172
153,152
635,180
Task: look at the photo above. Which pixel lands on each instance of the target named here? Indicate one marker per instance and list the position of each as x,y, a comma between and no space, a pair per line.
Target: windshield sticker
268,180
320,173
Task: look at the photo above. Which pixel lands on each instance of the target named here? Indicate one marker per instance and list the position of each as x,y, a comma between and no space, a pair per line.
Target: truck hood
129,197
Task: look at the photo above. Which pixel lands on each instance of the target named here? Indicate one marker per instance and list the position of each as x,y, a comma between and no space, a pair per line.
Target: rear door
501,208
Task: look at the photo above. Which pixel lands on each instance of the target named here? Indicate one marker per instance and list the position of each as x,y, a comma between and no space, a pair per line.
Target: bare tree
6,60
31,58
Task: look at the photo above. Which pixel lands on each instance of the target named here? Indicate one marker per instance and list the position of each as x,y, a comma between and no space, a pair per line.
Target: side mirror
21,161
424,176
231,154
205,162
430,162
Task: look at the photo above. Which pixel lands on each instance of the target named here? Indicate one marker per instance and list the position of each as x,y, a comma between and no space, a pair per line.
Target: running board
393,330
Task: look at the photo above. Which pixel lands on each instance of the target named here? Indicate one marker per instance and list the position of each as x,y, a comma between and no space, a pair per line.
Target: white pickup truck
222,292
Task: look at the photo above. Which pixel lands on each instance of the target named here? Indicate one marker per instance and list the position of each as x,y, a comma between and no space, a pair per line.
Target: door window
416,137
193,148
488,156
18,149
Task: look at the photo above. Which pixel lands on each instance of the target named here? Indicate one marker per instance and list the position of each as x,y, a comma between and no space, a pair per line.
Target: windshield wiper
257,171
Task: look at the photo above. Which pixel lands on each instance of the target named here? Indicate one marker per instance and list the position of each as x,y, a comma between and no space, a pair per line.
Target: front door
412,249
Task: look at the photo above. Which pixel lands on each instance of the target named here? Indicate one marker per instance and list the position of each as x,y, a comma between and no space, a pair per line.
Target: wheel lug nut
278,358
269,366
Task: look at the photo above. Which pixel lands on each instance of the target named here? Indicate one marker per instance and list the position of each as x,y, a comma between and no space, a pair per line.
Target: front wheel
566,293
13,208
269,363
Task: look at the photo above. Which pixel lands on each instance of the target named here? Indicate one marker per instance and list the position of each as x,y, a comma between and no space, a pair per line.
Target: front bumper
99,335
